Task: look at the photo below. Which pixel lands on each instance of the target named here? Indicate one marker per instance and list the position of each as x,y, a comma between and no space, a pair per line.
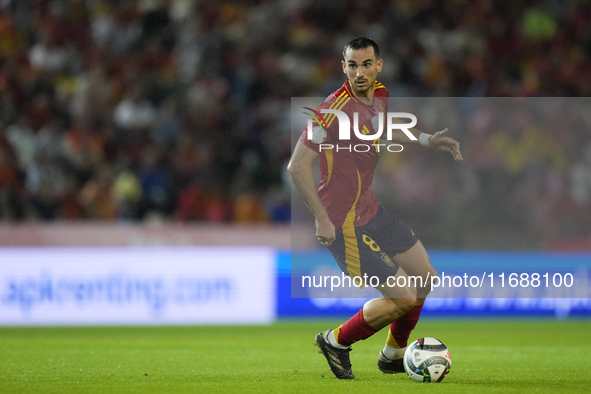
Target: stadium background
143,146
166,123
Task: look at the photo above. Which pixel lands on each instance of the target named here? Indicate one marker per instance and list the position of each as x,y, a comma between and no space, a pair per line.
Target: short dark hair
360,43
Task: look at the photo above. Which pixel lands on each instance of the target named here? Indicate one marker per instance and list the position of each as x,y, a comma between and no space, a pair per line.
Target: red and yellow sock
355,329
400,329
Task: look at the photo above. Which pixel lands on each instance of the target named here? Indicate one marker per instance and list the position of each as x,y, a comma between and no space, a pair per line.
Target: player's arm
300,169
438,140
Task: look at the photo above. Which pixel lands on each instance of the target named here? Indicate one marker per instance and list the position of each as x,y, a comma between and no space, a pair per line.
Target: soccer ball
427,360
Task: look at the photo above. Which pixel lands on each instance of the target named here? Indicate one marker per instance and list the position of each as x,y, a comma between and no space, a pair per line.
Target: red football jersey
347,169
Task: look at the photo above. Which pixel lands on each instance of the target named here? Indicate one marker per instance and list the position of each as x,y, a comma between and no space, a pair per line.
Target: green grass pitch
489,356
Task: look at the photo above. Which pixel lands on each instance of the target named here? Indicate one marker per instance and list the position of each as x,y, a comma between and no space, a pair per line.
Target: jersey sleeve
324,130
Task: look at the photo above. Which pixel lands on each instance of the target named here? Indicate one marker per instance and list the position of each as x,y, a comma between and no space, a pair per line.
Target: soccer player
362,235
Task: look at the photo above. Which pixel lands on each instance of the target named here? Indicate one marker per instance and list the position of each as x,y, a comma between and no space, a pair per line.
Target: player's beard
364,88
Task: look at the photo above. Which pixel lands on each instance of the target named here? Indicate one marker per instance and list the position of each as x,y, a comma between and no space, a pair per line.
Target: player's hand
440,141
325,232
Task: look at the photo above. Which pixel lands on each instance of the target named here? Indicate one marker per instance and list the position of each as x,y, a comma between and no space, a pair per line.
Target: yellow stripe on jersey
328,153
351,248
346,100
334,105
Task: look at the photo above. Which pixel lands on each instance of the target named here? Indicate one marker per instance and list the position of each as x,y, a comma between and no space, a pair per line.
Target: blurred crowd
525,178
179,109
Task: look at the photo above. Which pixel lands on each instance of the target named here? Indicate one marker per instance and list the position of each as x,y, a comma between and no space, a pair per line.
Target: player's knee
433,272
423,292
424,287
426,277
